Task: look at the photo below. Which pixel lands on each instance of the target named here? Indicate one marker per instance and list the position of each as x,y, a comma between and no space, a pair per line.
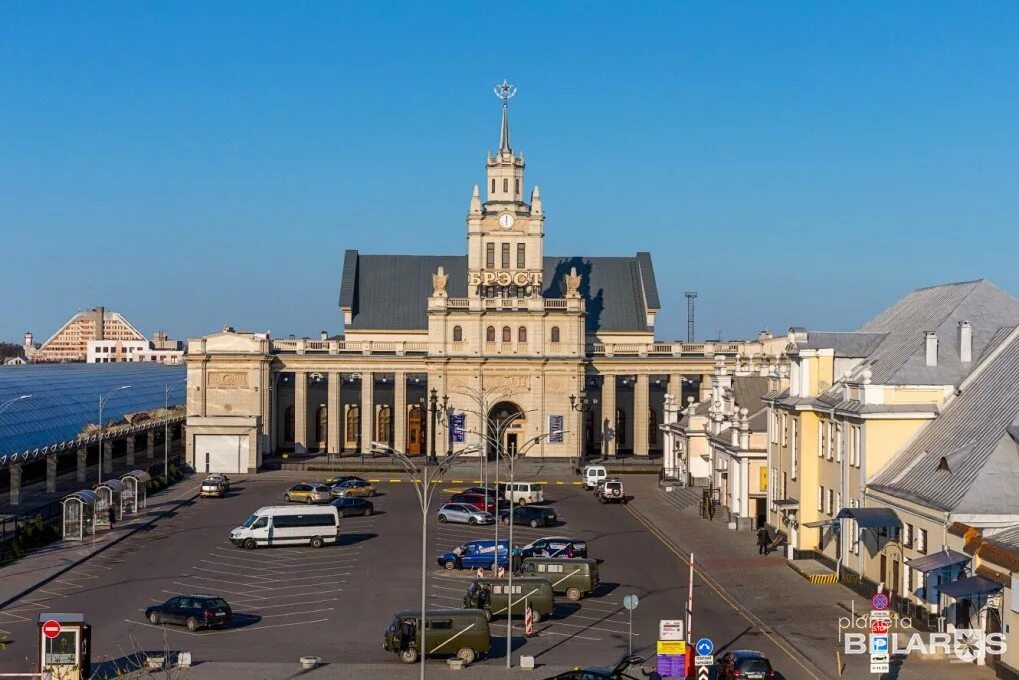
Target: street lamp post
583,405
421,481
166,426
102,402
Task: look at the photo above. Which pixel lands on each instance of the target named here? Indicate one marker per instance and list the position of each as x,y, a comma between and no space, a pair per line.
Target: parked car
474,554
522,493
745,663
482,491
193,611
464,514
592,475
307,493
612,492
224,481
555,546
353,487
286,525
533,516
477,500
212,488
340,479
460,632
348,507
621,671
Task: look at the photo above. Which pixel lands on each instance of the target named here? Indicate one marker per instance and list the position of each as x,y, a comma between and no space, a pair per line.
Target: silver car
464,514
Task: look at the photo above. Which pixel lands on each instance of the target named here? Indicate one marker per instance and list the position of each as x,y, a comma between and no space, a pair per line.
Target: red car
480,502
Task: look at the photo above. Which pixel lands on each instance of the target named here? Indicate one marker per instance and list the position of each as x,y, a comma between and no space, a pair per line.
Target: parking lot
335,602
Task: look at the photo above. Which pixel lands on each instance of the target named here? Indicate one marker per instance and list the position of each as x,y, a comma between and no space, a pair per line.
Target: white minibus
288,525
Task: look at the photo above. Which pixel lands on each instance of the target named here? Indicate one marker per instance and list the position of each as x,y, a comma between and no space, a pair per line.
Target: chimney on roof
325,336
932,348
965,342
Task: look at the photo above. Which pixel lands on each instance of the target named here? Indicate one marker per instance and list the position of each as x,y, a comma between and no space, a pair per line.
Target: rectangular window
784,480
838,502
907,535
907,578
795,443
505,186
921,541
490,255
857,445
853,532
831,502
820,498
831,440
516,184
820,440
493,185
505,256
521,259
838,443
774,427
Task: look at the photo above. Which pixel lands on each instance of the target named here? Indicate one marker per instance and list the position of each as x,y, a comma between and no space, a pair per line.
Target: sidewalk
772,596
38,568
350,671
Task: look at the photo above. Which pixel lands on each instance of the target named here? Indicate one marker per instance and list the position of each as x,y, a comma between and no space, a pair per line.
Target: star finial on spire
505,92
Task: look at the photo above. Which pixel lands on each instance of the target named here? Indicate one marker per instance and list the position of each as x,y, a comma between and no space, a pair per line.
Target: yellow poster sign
764,479
671,647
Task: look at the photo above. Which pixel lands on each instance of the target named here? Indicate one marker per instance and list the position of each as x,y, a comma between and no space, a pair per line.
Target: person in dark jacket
763,541
112,514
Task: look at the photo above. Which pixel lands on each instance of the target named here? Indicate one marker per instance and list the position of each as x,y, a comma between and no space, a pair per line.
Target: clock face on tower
506,220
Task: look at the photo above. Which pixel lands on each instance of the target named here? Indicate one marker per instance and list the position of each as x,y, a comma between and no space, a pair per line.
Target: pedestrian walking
763,540
112,515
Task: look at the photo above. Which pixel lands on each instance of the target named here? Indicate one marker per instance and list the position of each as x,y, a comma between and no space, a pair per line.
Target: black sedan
532,515
347,507
193,611
621,671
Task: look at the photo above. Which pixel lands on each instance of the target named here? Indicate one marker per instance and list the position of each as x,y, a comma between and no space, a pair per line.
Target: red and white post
690,670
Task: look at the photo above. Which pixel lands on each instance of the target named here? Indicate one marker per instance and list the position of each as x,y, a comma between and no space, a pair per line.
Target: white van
522,493
594,475
288,525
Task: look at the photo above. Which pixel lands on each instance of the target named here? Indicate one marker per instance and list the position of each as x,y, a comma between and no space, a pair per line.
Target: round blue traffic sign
704,646
879,601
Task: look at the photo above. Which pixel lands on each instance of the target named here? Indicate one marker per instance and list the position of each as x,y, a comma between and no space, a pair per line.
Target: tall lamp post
584,405
434,408
421,481
166,426
102,402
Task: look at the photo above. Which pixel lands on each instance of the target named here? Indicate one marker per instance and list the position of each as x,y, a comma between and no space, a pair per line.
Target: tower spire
505,92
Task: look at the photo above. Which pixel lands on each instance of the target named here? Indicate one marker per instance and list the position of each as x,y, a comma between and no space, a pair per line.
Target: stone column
400,412
15,471
676,388
300,412
82,464
107,457
367,410
641,404
333,411
608,415
705,394
51,473
130,450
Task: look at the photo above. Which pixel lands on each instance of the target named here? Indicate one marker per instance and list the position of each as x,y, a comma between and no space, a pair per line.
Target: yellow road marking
396,480
559,483
794,655
458,481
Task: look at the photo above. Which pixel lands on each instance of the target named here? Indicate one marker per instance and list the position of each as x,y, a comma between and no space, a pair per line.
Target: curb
86,558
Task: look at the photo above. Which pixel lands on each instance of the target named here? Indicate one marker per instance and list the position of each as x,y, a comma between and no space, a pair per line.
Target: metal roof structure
390,292
65,400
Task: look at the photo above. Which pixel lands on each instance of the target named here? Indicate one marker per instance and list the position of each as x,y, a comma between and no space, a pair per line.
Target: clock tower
504,234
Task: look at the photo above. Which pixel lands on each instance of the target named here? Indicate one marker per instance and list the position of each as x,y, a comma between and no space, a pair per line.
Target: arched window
507,334
620,427
522,334
555,333
490,334
353,424
288,424
458,334
385,419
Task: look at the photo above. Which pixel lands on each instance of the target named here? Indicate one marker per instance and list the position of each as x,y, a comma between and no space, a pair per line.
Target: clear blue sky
192,164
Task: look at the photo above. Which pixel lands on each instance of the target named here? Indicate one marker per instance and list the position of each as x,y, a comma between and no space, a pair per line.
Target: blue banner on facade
458,427
555,426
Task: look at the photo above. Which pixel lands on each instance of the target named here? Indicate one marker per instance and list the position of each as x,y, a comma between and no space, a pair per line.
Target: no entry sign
51,629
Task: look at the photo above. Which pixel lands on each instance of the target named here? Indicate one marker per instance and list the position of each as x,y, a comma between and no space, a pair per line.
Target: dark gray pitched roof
855,345
899,358
1007,539
748,392
390,292
971,435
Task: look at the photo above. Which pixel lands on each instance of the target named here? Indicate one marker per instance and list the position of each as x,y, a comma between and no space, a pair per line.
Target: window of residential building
820,440
507,334
505,185
490,255
785,432
490,334
857,445
831,502
516,185
521,258
838,502
921,541
458,334
554,334
907,578
853,531
838,443
795,439
493,185
784,480
505,256
820,498
772,490
796,461
831,440
774,427
522,334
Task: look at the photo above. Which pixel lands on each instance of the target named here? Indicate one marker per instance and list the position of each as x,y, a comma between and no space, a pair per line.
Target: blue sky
192,164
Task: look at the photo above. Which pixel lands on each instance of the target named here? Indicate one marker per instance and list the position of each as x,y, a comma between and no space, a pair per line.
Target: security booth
65,646
134,497
111,495
79,514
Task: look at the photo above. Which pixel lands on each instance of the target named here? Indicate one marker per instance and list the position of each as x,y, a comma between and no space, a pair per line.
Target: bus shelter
135,497
79,514
111,495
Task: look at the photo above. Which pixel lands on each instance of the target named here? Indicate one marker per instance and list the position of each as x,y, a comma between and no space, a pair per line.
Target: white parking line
272,580
146,624
574,625
291,596
276,625
456,590
295,604
305,611
301,570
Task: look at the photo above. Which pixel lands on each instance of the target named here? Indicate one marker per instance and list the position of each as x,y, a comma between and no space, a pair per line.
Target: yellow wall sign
764,479
671,647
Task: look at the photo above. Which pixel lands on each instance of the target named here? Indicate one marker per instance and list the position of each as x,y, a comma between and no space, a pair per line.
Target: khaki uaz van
455,632
491,595
574,578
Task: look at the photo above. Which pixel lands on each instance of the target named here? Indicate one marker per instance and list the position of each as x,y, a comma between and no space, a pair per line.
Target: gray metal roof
844,344
390,292
748,392
1007,539
899,359
971,438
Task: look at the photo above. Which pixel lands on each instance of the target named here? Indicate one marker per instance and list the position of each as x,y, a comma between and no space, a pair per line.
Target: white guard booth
134,497
111,494
79,514
227,453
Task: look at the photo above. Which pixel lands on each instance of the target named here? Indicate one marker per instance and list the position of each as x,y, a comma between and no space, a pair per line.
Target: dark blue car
474,554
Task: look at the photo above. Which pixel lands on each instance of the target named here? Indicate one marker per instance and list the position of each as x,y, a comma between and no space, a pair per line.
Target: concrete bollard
309,662
527,663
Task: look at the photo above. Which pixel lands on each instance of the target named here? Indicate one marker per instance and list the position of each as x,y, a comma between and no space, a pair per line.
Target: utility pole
691,295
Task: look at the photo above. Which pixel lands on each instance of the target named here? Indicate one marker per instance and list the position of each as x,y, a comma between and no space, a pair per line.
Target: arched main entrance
506,423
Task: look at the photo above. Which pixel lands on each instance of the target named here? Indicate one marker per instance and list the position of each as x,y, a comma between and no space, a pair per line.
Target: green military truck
491,595
572,577
462,633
